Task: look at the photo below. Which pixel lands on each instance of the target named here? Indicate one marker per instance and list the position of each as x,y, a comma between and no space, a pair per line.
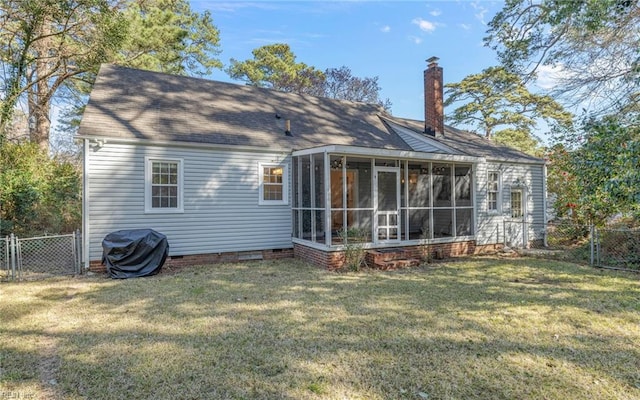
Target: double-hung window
163,185
493,191
273,184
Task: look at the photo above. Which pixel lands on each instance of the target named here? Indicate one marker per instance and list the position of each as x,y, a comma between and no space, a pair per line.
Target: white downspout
85,204
544,204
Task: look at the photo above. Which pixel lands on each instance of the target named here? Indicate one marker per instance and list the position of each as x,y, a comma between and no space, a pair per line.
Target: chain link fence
617,248
599,247
40,257
5,270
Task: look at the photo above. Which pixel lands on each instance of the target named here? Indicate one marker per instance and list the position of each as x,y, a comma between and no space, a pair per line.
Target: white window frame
285,184
148,163
498,208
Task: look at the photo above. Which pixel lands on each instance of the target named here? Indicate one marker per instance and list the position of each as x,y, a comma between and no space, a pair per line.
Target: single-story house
232,172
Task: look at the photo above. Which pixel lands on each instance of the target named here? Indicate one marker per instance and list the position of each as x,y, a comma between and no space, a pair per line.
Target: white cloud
435,13
481,11
424,25
466,27
415,39
385,29
549,76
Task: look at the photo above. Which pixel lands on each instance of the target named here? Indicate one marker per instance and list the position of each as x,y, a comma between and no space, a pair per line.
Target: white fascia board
388,153
526,162
173,143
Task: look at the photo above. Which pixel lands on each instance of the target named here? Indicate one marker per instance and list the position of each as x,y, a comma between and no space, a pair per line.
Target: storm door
387,204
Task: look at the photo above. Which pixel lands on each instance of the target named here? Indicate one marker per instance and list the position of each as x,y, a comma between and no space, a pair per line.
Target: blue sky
387,39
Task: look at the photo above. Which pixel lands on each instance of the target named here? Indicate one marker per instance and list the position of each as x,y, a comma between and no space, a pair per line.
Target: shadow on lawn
288,330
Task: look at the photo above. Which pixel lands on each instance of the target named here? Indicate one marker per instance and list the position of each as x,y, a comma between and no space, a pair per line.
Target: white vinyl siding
528,178
219,194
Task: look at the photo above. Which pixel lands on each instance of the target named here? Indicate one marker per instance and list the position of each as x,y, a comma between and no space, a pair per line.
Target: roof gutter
388,153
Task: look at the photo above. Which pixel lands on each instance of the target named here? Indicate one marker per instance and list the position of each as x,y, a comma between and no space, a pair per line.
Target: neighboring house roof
136,104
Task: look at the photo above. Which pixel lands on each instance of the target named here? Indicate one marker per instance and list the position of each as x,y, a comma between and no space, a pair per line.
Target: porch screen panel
318,181
419,224
359,183
337,185
443,223
296,223
464,222
295,182
337,189
306,225
319,226
318,197
363,220
359,205
419,185
305,180
442,185
463,186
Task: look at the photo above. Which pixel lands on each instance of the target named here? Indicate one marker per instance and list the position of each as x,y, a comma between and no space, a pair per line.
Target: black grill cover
134,253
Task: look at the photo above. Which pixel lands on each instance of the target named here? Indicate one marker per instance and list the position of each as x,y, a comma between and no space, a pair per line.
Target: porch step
391,258
397,264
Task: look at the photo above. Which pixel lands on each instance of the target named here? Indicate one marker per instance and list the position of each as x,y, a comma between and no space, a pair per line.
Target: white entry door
516,230
387,204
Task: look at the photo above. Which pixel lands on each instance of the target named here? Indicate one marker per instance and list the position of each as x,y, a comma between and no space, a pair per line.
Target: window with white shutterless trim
493,191
163,185
273,185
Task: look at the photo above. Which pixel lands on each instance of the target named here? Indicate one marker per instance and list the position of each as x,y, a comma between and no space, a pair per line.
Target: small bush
353,240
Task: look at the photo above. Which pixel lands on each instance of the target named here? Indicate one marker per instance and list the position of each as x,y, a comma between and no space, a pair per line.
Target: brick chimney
433,95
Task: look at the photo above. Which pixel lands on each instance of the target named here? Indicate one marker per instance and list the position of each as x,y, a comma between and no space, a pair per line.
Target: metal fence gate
40,257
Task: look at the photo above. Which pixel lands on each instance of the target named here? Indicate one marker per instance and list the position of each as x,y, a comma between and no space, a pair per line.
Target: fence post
77,247
592,236
597,247
73,252
7,256
12,245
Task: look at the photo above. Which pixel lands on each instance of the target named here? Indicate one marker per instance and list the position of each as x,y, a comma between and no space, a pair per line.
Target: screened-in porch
385,196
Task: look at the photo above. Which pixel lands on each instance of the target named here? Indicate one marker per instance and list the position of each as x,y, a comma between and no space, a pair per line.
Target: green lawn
480,328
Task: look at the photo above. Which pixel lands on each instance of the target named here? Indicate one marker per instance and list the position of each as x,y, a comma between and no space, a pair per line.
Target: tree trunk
487,134
39,100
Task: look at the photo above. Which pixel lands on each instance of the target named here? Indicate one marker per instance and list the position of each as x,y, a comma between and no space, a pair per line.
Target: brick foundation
333,260
177,262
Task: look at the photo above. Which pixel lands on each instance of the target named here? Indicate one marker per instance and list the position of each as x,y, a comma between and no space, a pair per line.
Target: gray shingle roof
470,143
136,104
131,103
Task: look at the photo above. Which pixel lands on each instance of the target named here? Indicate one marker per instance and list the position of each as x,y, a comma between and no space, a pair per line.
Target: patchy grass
475,329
